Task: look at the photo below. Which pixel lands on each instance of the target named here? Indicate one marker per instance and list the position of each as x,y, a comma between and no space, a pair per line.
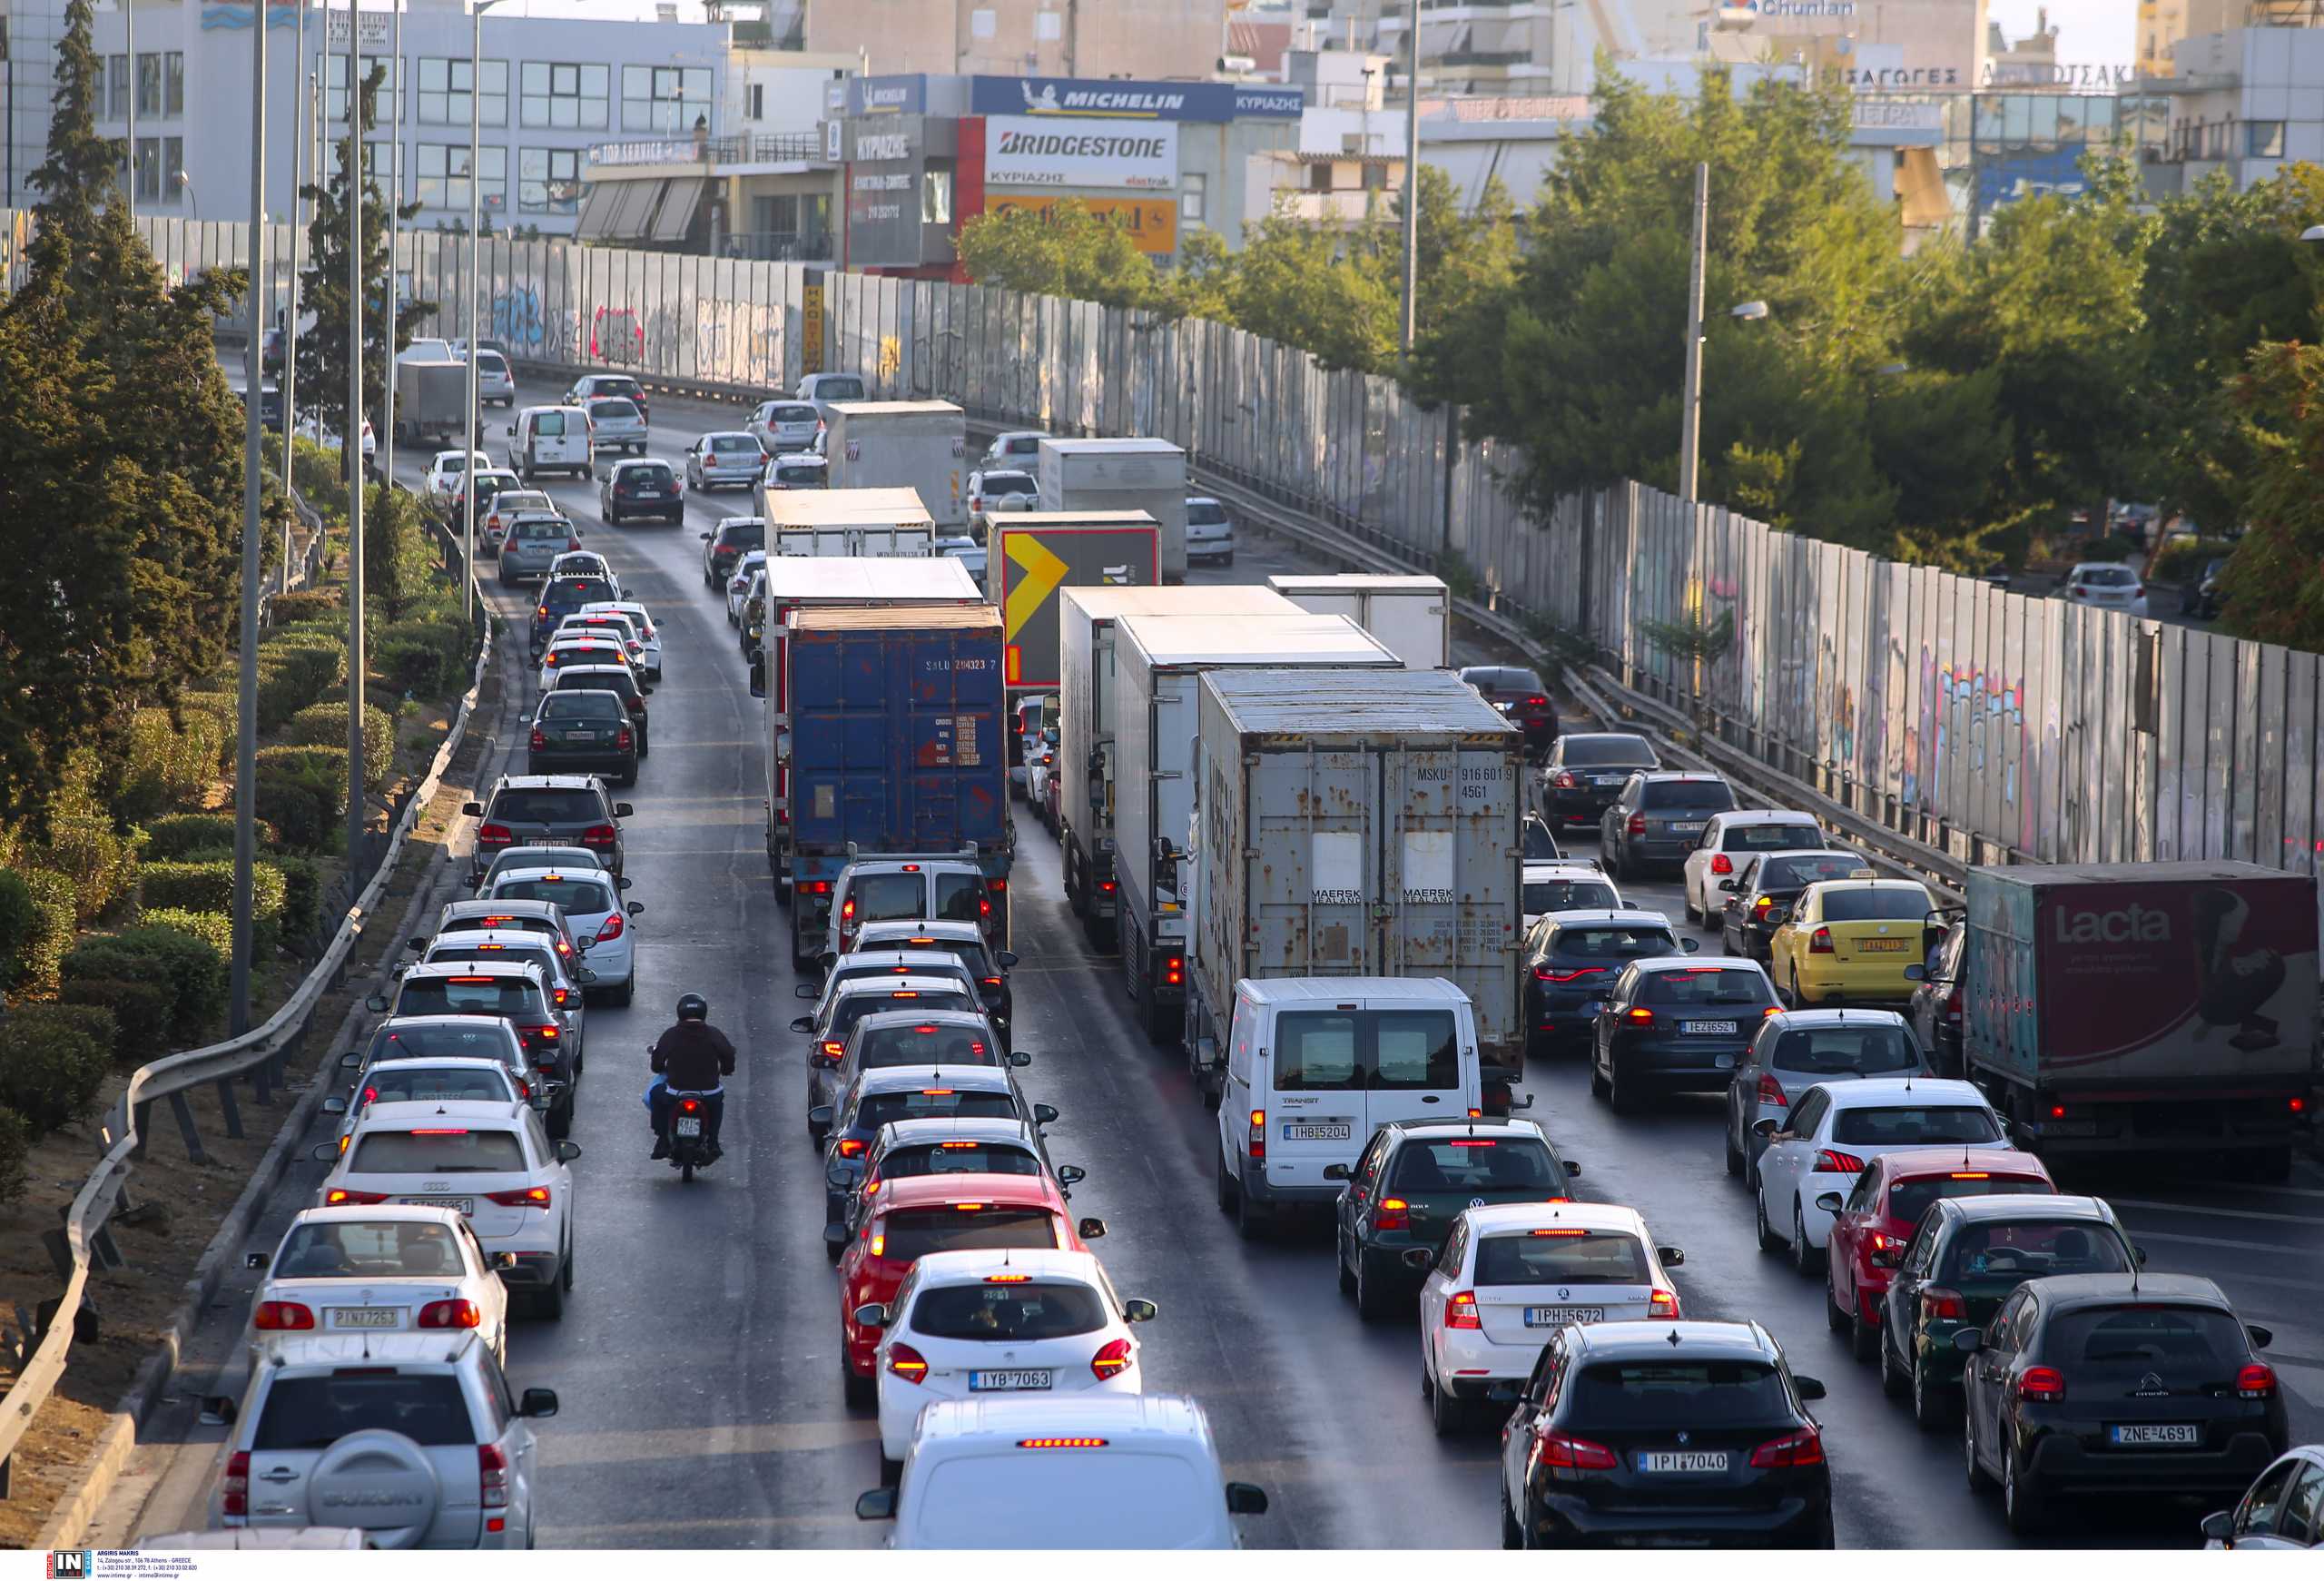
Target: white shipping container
1149,475
877,522
1412,615
905,444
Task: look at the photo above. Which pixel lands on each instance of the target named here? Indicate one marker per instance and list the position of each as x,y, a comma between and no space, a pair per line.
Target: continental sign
1152,223
1035,561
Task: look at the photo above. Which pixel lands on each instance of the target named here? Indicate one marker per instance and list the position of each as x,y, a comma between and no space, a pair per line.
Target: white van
550,439
1080,1471
1314,1065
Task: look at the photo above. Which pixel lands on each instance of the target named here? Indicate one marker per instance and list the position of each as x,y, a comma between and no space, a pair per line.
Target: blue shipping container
896,740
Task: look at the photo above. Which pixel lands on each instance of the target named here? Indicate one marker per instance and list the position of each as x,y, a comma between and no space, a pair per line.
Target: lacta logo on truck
2133,925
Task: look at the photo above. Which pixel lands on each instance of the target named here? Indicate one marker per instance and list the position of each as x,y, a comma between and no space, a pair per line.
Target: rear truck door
1318,1118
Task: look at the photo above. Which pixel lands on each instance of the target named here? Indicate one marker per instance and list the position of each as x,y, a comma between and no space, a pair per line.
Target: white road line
2312,1222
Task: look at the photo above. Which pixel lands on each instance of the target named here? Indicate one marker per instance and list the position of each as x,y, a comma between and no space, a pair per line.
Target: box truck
1412,615
902,444
1149,475
1038,553
847,521
431,401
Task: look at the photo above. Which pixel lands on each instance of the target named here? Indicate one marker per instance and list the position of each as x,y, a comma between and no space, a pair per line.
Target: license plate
1558,1316
2132,1435
2069,1128
1694,828
1879,946
547,842
364,1317
1709,1027
1682,1460
465,1204
581,736
649,494
689,1126
1016,1377
1607,781
1317,1134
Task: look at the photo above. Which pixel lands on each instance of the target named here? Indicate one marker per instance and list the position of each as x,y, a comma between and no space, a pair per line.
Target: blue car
564,596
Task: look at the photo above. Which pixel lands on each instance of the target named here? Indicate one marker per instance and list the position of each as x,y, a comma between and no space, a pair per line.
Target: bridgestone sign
1025,151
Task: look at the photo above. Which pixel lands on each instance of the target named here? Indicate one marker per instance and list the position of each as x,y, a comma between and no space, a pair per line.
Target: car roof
1790,1019
1003,472
1494,1126
1679,776
593,669
1899,1093
1761,816
968,1268
899,864
561,875
2049,1204
1765,856
1502,1216
1561,868
1307,990
631,463
966,1020
1660,964
1203,499
410,1114
1010,1190
1606,735
1667,1338
923,929
470,936
467,969
525,851
984,1422
393,1212
905,1078
398,1023
2091,1290
861,987
939,1127
458,1061
1897,884
1628,918
548,782
943,961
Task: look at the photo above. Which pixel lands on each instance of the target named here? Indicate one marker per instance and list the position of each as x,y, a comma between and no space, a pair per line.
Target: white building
2247,100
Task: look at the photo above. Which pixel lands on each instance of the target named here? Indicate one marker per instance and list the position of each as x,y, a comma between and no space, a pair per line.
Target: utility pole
1412,170
351,441
298,235
129,45
254,428
395,233
467,309
1691,411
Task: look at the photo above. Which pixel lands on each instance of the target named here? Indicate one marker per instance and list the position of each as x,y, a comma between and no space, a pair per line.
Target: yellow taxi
1849,939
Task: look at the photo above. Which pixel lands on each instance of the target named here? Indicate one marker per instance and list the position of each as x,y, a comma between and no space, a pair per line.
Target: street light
2313,233
1752,311
477,9
186,185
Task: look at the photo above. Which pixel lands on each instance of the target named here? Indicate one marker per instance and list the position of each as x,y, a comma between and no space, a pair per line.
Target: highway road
697,1360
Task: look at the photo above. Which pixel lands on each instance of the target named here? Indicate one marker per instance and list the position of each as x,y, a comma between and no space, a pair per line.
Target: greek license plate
1682,1460
1317,1134
548,842
1016,1377
1709,1027
581,736
2069,1128
649,494
689,1126
1558,1316
1606,780
2133,1435
364,1317
1693,828
1879,947
465,1204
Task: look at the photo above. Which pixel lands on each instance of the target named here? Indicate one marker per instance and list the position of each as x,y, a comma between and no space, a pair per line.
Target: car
868,966
423,1081
494,1163
1519,693
487,483
526,858
602,924
2283,1509
1028,715
990,967
1572,959
385,1269
984,1322
547,808
1729,838
495,384
905,1148
911,1218
997,491
1758,901
615,423
1019,448
598,620
893,1095
1210,531
1412,1181
1658,817
1974,1241
426,348
1675,1023
642,490
1685,1433
522,916
877,889
1799,1049
530,545
730,457
1850,939
510,504
1092,1471
583,730
458,1037
551,439
782,427
2099,585
907,1033
416,1439
516,992
830,1032
568,651
1507,1275
726,543
1935,1008
743,584
614,386
1563,887
564,974
1538,844
582,563
649,636
496,347
1040,780
1827,1136
2117,1384
2199,594
820,390
1585,773
796,469
618,678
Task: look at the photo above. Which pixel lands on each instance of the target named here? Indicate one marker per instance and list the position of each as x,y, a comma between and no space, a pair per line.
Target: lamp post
184,183
254,427
298,235
129,45
351,441
1412,173
395,233
477,9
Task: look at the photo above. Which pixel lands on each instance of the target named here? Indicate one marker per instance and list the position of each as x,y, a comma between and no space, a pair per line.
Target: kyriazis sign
1024,151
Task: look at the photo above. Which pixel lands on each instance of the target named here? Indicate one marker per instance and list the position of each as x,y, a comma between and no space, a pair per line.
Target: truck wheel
1228,1192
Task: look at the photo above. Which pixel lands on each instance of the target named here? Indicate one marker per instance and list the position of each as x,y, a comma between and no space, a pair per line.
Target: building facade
2245,102
1144,39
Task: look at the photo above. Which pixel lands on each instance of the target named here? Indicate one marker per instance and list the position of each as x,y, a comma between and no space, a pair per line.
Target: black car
640,491
539,809
1521,696
619,679
1758,900
1687,1434
989,966
2198,594
1676,1023
2123,1384
1657,818
1967,1253
728,543
579,731
564,596
1572,959
905,1148
1585,773
1935,1007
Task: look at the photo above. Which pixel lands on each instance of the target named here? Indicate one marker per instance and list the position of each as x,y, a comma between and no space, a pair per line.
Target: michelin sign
1095,98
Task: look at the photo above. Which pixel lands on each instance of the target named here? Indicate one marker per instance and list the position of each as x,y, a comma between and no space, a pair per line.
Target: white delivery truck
903,444
1149,475
1158,665
887,522
1412,615
1084,802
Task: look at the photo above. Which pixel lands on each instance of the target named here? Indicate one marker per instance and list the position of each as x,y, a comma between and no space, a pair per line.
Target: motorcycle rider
690,1057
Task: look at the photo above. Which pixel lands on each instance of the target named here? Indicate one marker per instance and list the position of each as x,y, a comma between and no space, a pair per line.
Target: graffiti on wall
517,321
618,337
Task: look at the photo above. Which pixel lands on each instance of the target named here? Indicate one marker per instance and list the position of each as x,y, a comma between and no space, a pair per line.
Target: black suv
728,543
1585,773
542,809
1658,818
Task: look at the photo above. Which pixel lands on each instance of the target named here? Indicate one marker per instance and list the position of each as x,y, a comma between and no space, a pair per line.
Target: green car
1414,1178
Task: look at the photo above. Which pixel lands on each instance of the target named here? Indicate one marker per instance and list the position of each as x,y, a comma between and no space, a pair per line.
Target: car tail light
1637,825
1937,1302
539,740
850,1147
1819,943
496,834
2255,1381
1567,1453
1461,1311
451,1315
1258,1138
1771,1090
598,834
234,1492
907,1363
1537,701
1663,1304
522,1197
1639,1016
1720,864
2043,1384
1105,886
1832,1162
558,994
542,613
545,1033
1763,903
341,1197
1565,780
492,1476
621,739
821,887
1112,1360
832,1049
2297,1105
570,544
1551,974
1174,972
1805,1448
1392,1213
1952,1009
283,1317
847,910
611,928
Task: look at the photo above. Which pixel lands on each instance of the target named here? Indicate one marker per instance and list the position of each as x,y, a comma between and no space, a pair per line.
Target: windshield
847,1011
1205,513
791,414
2129,1341
444,1150
577,590
549,425
1350,1051
583,705
477,1038
510,996
1018,483
1665,1395
1586,1257
879,897
743,538
314,1413
653,475
412,1081
908,1234
736,445
1607,752
798,472
1707,985
959,897
381,1249
1796,873
545,805
508,501
1549,894
925,1044
1617,942
1864,906
1833,1051
1038,1309
879,1109
1770,837
1540,846
958,1158
1475,1163
842,387
575,898
2007,1254
613,409
545,531
1909,1198
1692,794
1914,1125
2107,577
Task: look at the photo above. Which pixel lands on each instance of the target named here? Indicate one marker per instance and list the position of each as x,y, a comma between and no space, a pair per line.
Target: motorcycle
689,1133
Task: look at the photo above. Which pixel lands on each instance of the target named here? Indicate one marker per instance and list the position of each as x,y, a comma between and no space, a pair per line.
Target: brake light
1663,1304
1832,1162
2297,1105
1637,825
1953,1011
492,1476
235,1490
2255,1381
847,910
522,1197
1061,1442
547,1034
832,1049
558,993
1720,864
1174,972
1939,1303
451,1315
2042,1384
598,834
1639,1016
1551,974
849,1147
283,1317
495,834
821,887
1805,1448
341,1197
1763,903
1771,1090
1565,780
611,928
621,739
1461,1311
542,613
539,740
1570,1454
1537,701
1112,1360
1258,1140
1392,1213
1819,943
1105,886
907,1363
688,1105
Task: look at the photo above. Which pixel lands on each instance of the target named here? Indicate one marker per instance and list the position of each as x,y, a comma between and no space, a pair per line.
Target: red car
1870,1231
924,1213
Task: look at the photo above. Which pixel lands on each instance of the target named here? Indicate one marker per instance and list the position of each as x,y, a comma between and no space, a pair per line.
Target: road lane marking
2309,1219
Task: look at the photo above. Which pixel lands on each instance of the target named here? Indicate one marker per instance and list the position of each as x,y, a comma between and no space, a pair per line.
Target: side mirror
1090,1228
1915,973
376,1003
1765,1127
805,991
1728,884
835,1235
758,676
821,1062
1420,1260
472,809
2140,1253
838,1176
621,883
418,942
351,1062
256,1260
1335,1171
324,1152
1690,946
704,536
1671,1256
218,1410
804,1025
1969,1341
1139,1311
636,908
1071,1174
1008,959
821,1115
876,1504
536,1403
1244,1498
2261,1335
1524,1103
1886,1257
623,810
1020,1061
1810,1389
1502,1394
582,975
1829,1202
503,1261
1571,1168
1044,1114
871,1315
2219,1526
566,1151
334,1105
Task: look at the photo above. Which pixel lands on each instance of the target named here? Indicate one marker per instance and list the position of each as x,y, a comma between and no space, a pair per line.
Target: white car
784,426
796,469
602,924
649,636
582,563
738,585
1508,1275
507,505
423,1081
1728,842
492,1161
427,1446
2103,586
1017,448
565,978
730,459
1210,531
820,390
999,490
382,1270
966,1324
580,647
1831,1132
1556,886
494,381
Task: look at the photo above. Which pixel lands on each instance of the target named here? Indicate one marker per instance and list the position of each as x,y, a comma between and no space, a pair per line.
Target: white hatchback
649,636
601,924
1728,842
2103,586
738,584
566,650
1210,531
1000,1323
1833,1131
444,475
380,1269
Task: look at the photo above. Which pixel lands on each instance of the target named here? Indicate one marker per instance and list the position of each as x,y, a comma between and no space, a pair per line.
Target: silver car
531,545
615,423
494,383
733,459
782,426
1799,1049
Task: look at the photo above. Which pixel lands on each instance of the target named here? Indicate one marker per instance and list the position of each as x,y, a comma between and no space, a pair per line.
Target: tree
1068,250
1312,288
2274,582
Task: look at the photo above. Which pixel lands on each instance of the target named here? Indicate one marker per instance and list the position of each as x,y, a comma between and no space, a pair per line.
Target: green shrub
315,605
430,659
213,928
96,1019
51,1068
19,921
224,707
302,793
296,668
2113,547
16,1146
192,952
177,836
325,725
52,934
141,1014
101,864
208,886
302,895
167,766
